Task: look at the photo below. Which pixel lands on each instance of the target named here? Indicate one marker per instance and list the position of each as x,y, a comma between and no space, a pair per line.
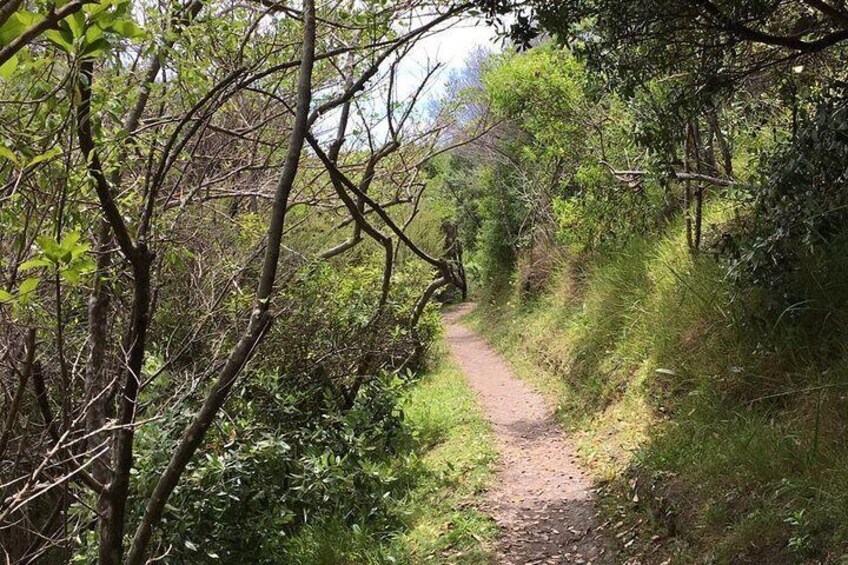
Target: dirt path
542,501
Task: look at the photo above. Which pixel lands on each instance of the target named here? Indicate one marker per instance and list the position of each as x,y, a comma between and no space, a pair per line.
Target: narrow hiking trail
542,501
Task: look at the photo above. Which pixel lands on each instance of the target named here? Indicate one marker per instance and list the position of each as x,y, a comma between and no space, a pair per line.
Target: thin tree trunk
112,524
687,186
699,215
259,320
96,397
425,299
24,374
723,144
113,498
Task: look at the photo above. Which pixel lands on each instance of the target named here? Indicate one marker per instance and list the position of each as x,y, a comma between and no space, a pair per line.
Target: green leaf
95,9
70,240
128,29
76,23
16,24
62,38
8,68
71,275
10,30
5,297
77,251
50,247
7,153
49,154
28,19
28,286
96,48
93,34
85,265
35,264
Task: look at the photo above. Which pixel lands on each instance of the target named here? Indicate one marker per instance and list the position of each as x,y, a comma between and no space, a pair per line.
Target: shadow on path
542,501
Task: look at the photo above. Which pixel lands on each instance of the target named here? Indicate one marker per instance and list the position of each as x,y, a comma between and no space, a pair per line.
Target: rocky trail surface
542,501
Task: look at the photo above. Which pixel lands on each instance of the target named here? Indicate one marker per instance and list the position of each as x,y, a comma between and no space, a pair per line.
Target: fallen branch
631,176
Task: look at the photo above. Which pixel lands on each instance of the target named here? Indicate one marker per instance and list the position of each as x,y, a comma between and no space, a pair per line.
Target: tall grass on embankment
711,414
441,480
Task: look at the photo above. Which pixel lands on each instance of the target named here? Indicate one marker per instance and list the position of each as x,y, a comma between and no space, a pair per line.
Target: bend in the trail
542,501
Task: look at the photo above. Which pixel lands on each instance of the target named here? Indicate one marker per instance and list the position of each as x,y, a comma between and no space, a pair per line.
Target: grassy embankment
443,479
722,423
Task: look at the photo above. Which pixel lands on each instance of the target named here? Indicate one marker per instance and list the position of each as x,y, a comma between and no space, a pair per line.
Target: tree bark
259,320
23,376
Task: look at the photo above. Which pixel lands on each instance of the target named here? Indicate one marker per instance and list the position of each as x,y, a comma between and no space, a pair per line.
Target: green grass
729,418
446,475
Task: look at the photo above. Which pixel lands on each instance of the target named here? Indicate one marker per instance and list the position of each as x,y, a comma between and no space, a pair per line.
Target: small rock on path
542,501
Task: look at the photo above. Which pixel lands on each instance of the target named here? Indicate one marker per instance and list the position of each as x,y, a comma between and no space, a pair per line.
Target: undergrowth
435,506
708,412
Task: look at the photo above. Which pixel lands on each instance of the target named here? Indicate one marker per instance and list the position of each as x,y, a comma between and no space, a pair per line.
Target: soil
542,501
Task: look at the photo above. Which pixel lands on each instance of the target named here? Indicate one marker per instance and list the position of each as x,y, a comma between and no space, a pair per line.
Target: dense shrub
313,435
799,203
286,462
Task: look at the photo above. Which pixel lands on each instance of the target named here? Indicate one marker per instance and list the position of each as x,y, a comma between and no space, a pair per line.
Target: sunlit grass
729,417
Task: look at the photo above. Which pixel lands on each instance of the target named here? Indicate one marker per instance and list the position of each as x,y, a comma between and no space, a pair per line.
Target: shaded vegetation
217,272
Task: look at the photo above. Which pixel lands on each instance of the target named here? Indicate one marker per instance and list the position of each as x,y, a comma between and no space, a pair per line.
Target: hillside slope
718,420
